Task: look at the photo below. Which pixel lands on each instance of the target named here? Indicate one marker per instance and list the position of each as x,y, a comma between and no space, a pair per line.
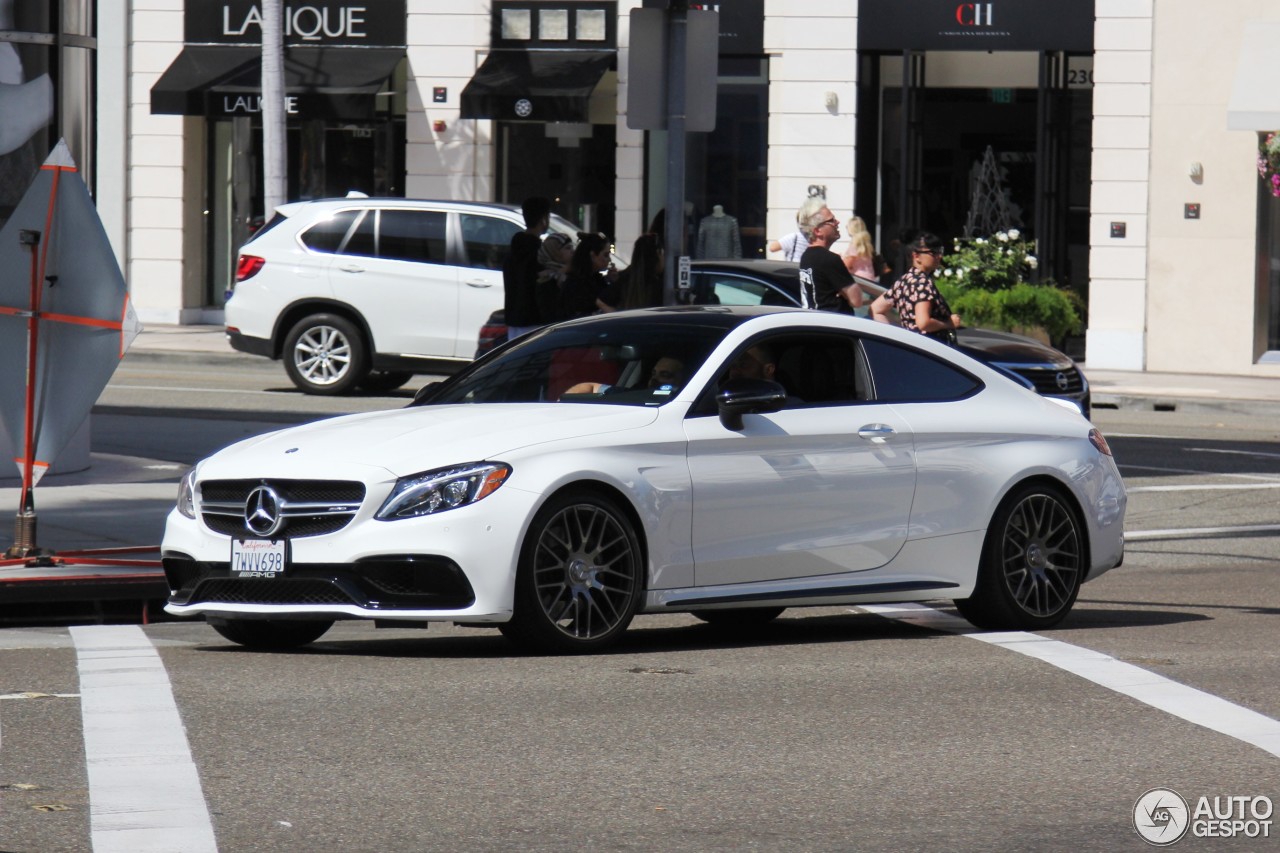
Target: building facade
1107,122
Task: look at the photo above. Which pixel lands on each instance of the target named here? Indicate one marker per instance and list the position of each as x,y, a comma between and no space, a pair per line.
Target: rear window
327,234
904,375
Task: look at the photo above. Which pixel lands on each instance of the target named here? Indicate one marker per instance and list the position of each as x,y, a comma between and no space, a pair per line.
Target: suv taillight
247,266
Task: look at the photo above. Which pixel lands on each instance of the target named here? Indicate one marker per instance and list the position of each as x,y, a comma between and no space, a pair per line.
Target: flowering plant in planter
985,281
1269,162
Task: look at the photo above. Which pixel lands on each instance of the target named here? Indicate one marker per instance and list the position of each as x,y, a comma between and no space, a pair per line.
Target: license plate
258,558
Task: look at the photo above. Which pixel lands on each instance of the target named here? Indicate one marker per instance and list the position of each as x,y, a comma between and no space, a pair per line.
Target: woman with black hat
920,306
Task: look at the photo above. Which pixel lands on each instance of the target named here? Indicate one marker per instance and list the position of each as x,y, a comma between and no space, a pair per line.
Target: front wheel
1033,562
580,576
325,354
270,634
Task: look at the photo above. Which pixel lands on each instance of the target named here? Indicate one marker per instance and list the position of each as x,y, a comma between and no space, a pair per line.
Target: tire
325,354
1033,562
381,381
747,617
269,634
580,577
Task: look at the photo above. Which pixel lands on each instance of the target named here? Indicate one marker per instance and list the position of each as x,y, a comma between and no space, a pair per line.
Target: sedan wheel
269,634
579,580
1033,564
325,354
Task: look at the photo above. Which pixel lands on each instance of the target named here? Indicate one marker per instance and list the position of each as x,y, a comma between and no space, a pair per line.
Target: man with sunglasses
825,282
920,306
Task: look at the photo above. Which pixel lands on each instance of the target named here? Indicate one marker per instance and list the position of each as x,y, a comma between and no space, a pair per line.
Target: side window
486,240
327,234
821,369
412,235
816,369
900,374
361,240
730,290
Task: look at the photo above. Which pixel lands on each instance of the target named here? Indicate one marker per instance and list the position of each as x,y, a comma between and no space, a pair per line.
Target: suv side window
327,234
903,375
361,241
412,235
486,240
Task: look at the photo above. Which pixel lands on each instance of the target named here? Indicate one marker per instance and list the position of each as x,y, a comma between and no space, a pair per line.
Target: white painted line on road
1207,487
1164,694
1194,532
144,791
1256,453
1196,472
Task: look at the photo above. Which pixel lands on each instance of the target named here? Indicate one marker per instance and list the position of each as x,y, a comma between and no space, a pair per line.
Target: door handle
351,268
478,282
876,432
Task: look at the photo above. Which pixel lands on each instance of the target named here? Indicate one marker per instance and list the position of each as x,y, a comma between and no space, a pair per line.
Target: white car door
486,241
394,271
822,487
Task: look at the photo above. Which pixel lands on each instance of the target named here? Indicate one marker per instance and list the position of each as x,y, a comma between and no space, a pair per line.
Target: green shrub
984,281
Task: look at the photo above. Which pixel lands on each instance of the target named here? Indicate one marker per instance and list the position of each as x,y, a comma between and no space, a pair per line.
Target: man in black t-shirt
825,282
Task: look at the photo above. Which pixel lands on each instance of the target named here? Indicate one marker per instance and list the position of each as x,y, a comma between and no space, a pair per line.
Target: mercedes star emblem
524,108
1063,382
262,511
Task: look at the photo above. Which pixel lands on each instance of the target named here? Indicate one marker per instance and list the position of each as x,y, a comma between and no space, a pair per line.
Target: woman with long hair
584,282
640,284
860,256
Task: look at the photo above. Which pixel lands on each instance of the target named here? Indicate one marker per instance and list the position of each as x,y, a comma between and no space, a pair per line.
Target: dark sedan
761,282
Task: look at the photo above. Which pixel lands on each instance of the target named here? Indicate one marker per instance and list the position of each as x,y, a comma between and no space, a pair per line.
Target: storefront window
44,96
1268,270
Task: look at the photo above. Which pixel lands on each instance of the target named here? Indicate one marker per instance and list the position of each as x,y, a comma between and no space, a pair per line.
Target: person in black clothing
825,282
520,272
640,284
585,284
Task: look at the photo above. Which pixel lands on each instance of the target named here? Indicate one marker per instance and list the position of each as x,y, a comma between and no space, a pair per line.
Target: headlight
445,488
187,494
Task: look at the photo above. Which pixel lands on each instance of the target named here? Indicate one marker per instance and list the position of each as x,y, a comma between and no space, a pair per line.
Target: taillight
247,266
1096,439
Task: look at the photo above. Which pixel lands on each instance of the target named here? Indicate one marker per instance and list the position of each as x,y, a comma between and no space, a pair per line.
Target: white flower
1031,261
1002,237
1014,233
947,271
980,241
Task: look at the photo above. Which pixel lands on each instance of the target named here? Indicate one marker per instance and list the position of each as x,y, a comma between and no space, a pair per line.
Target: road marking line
1164,694
1207,487
144,790
1196,472
1195,532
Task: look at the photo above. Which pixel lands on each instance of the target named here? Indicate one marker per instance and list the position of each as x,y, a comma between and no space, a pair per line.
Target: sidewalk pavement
122,501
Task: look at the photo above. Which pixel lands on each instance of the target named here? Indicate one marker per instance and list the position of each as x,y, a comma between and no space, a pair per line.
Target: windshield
635,359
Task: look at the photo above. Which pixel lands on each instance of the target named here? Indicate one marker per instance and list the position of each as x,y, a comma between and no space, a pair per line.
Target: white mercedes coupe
726,462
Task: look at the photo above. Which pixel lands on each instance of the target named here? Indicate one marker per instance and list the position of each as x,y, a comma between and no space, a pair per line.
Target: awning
320,82
1255,97
535,85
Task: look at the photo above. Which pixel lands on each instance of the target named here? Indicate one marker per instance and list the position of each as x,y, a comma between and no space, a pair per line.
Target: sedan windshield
630,360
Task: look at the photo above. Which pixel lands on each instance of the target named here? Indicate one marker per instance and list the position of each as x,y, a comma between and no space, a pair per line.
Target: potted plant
985,280
1269,161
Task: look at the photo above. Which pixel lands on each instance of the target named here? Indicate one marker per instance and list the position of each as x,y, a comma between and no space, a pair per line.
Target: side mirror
425,393
741,397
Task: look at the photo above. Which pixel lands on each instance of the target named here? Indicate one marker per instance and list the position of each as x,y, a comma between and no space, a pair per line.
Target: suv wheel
325,354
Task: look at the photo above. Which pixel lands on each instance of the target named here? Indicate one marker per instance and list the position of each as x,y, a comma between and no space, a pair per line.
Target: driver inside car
665,378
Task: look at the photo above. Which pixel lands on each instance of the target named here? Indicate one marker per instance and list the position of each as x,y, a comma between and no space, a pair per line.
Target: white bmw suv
364,292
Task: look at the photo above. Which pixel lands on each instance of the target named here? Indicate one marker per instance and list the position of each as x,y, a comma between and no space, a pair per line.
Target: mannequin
718,235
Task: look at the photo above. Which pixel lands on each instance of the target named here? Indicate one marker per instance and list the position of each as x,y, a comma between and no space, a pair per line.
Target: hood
406,441
1005,348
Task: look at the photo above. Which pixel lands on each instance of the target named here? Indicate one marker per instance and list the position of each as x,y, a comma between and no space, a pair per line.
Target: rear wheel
271,634
1033,562
325,354
580,576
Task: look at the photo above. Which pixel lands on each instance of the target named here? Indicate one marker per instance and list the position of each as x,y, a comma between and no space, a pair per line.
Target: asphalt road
832,729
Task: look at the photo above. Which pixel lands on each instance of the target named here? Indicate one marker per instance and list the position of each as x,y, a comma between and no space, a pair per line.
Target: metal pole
274,151
677,54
